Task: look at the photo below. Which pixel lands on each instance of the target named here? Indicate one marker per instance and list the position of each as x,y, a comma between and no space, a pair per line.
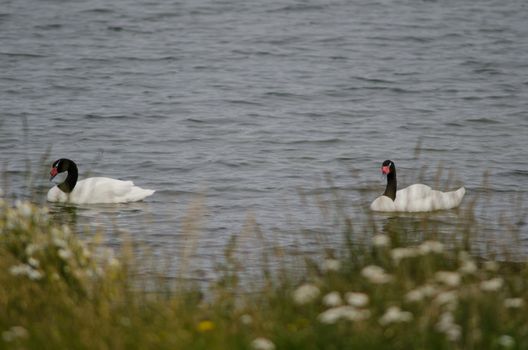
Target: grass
393,292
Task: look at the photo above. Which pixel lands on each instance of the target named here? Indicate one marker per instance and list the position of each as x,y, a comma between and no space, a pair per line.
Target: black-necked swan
414,198
92,190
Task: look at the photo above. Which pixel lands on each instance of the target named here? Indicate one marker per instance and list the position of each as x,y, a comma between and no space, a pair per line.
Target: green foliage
58,292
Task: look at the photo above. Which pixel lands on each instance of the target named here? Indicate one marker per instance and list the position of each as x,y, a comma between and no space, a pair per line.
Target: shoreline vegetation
58,291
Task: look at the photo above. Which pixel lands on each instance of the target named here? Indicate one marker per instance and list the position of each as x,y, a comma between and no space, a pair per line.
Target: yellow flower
205,326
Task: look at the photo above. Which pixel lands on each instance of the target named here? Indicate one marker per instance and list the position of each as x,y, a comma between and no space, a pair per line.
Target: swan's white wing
413,198
420,198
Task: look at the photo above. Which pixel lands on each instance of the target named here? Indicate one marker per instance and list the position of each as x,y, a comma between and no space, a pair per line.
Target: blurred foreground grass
58,292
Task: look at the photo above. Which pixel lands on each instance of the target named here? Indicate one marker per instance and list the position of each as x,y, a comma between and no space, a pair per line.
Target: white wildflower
59,243
24,208
506,341
381,241
431,247
346,312
14,333
86,252
66,230
428,290
114,263
330,316
444,298
34,274
513,303
33,262
468,267
447,325
305,294
31,248
25,270
9,222
246,319
454,333
414,295
375,274
420,293
492,285
332,299
331,265
357,299
491,266
21,269
262,344
449,278
399,254
395,315
446,319
352,314
55,232
65,254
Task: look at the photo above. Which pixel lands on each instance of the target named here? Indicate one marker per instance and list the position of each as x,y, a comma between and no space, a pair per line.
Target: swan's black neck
71,180
390,190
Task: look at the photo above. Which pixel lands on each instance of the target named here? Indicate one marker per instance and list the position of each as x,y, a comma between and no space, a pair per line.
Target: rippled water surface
251,103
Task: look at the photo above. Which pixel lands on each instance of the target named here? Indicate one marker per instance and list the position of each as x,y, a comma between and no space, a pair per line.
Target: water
250,103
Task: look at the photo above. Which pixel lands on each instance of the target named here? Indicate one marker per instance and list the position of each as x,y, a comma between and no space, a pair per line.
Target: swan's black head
60,166
64,174
388,167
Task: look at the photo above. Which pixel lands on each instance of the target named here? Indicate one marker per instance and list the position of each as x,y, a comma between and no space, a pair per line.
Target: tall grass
400,287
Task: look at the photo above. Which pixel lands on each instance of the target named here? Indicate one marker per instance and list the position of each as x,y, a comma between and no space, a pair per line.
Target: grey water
255,106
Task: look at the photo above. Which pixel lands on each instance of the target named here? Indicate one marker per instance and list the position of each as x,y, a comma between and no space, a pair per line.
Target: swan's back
418,197
100,190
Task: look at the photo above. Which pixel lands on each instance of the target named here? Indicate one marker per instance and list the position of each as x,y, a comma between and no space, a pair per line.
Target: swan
91,190
415,198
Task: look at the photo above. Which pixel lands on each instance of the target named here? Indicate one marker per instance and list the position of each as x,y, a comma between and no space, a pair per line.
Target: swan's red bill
385,169
53,172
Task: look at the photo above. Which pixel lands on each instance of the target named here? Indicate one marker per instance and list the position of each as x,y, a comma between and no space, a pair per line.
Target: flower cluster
354,311
262,344
427,247
395,315
447,325
447,282
306,293
376,274
43,252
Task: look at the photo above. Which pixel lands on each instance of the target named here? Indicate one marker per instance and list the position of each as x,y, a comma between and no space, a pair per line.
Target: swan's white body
417,198
100,190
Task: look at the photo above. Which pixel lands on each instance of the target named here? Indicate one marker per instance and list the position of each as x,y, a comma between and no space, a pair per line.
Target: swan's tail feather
138,194
455,197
